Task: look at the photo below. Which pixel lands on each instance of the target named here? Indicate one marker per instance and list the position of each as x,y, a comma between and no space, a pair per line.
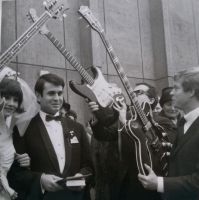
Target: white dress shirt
55,132
190,118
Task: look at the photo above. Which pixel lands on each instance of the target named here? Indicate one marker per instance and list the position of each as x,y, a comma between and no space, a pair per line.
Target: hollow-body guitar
147,135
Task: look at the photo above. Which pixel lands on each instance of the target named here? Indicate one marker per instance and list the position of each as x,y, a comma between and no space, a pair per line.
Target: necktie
182,121
51,117
181,126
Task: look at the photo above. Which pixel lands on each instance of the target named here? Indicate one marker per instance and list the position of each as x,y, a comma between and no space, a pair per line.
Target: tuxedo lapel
183,139
68,148
47,143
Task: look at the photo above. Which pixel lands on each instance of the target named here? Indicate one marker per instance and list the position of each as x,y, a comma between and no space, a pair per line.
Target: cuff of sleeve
42,188
160,187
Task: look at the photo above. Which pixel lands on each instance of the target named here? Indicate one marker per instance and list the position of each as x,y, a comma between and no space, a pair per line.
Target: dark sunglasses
139,92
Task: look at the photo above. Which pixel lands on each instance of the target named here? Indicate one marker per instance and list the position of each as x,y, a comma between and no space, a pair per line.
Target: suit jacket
183,180
37,144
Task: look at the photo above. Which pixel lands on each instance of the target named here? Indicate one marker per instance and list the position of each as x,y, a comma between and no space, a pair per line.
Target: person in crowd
183,178
72,115
11,105
118,163
169,114
64,109
58,148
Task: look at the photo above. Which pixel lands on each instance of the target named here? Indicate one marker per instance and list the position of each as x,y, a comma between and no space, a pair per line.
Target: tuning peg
64,15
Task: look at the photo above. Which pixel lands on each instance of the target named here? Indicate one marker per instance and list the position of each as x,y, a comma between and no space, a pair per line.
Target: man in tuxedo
57,146
183,179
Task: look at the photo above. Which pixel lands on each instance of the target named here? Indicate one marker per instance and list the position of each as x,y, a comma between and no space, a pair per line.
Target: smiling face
51,99
169,110
11,105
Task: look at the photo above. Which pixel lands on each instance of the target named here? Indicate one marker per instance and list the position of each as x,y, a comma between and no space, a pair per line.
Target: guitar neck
15,48
71,59
123,77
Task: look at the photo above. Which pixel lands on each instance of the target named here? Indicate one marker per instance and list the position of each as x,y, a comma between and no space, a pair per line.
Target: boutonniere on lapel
73,138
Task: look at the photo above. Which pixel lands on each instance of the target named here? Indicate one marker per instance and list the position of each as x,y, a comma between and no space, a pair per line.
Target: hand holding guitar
149,181
121,107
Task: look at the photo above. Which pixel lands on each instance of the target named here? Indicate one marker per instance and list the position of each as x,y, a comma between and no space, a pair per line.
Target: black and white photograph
99,99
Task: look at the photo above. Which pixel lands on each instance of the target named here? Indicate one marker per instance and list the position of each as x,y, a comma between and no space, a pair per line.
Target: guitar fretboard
72,60
15,48
123,77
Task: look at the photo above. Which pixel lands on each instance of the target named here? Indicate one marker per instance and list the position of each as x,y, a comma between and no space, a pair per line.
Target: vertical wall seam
195,30
16,34
141,50
66,72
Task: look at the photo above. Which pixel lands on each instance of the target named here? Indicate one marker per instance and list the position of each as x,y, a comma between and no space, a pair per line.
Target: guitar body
147,150
142,148
100,91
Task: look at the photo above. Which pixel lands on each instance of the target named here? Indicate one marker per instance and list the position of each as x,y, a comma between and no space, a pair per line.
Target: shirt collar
192,116
43,115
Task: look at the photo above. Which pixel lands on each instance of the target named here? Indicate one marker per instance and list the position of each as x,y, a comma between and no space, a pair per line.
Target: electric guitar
94,89
54,9
148,137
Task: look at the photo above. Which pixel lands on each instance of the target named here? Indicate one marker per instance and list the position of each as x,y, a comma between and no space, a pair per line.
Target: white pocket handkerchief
74,140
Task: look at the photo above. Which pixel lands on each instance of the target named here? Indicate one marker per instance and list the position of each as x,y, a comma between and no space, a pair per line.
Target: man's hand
23,159
93,106
150,181
14,196
49,182
121,108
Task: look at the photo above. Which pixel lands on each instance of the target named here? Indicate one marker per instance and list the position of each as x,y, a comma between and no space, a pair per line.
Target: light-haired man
183,180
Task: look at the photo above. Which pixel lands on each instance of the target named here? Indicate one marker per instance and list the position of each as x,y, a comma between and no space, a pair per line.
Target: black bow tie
51,117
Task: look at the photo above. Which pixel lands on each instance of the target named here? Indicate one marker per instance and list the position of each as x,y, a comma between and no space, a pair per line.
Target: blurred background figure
169,115
65,108
72,115
168,105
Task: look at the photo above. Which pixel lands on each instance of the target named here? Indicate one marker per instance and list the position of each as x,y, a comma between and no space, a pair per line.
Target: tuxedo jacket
183,180
37,144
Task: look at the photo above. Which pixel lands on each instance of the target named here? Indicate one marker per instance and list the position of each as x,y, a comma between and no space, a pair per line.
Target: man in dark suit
58,147
119,175
183,180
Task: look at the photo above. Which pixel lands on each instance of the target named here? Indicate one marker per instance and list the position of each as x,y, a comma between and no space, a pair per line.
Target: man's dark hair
11,87
151,93
48,78
72,113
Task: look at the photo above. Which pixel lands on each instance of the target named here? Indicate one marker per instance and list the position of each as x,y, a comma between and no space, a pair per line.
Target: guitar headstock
56,8
32,14
86,13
